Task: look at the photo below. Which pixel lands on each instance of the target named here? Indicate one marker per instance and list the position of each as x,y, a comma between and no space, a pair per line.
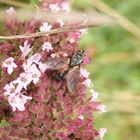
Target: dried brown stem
54,31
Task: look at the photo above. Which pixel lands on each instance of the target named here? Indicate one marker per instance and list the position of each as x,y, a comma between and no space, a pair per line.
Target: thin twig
54,31
124,22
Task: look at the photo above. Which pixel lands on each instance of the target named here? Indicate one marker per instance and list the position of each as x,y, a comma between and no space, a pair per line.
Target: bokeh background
115,68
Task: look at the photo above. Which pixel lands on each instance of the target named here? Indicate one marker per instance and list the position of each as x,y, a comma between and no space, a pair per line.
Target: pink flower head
9,64
101,132
45,27
25,49
54,7
17,101
47,46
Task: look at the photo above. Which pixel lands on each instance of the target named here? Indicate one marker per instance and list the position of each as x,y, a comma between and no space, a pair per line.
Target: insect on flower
67,69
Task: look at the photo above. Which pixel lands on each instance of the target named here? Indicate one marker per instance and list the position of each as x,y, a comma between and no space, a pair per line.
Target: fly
67,69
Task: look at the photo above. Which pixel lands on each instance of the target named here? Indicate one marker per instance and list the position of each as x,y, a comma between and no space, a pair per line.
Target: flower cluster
34,102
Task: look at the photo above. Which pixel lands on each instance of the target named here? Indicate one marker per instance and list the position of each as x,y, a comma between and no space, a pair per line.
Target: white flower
17,101
42,67
33,59
9,64
25,49
23,81
11,11
94,95
88,83
102,131
72,40
84,72
102,108
61,22
45,27
54,7
81,117
65,6
47,46
35,73
9,89
53,55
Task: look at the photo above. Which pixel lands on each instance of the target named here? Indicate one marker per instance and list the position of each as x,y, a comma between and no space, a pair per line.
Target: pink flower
101,132
9,64
54,7
53,55
94,95
17,101
11,11
88,83
23,81
35,73
102,108
9,89
42,67
65,6
61,22
33,59
45,27
84,73
47,46
81,117
25,49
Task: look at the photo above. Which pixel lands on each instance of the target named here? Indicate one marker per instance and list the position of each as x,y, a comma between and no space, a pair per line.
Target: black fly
67,69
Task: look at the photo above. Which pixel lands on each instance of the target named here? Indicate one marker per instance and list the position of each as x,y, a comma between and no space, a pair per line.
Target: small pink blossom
11,11
9,64
33,59
35,73
61,22
42,67
81,117
47,46
53,55
102,131
94,95
45,27
23,81
9,89
84,72
102,108
25,49
17,101
65,6
88,83
72,40
54,7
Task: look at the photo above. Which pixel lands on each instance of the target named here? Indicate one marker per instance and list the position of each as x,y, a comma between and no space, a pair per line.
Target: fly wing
56,63
72,79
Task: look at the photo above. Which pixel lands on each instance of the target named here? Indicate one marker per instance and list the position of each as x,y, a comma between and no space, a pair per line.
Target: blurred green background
115,69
